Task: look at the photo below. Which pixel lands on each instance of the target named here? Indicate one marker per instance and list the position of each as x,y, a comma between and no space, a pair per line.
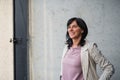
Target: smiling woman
47,20
80,57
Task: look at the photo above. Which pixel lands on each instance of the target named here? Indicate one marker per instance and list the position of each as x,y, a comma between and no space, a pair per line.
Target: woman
80,56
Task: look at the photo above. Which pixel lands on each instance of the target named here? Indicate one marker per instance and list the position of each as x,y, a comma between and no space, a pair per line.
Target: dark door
20,39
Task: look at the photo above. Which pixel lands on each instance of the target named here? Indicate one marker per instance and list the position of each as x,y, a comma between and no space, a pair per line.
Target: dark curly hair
81,23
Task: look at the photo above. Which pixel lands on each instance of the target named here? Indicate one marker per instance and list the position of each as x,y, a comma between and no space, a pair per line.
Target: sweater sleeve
104,64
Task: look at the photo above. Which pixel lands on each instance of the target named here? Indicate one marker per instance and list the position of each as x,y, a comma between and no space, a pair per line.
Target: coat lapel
84,60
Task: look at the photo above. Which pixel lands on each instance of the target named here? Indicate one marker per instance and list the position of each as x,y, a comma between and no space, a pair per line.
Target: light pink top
72,65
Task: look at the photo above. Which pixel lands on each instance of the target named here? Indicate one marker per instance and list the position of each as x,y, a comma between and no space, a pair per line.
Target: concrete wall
48,27
6,32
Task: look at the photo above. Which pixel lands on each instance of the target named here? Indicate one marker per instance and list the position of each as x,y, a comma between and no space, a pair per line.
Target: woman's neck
76,42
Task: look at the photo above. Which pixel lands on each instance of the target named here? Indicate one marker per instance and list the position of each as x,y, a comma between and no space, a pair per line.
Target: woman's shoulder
90,44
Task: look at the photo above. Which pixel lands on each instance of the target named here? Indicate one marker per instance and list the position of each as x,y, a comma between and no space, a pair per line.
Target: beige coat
90,56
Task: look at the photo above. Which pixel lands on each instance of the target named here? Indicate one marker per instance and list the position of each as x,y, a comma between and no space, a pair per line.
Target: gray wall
48,28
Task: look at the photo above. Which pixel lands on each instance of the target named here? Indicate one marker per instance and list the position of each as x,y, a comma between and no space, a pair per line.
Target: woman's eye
68,27
74,26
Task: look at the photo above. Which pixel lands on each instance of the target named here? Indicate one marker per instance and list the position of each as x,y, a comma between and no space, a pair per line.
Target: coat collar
85,59
86,46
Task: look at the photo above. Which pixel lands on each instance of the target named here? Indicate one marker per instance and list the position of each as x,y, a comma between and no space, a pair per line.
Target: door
6,34
20,40
13,40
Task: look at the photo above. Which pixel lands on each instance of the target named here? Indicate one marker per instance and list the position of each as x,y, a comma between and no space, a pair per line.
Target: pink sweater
72,65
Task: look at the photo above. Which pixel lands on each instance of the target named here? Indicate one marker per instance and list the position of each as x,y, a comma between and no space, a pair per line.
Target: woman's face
74,30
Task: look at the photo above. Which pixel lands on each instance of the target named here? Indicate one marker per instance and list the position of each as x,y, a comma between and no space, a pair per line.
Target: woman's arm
64,51
104,64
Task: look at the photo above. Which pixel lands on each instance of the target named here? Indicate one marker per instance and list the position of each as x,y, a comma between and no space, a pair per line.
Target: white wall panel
6,32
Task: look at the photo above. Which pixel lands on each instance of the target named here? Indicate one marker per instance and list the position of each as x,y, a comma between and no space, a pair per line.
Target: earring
82,31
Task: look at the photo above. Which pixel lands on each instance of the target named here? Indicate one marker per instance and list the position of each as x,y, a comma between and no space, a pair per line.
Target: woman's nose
70,29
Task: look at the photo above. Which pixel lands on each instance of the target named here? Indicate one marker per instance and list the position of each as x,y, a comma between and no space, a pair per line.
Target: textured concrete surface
48,28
